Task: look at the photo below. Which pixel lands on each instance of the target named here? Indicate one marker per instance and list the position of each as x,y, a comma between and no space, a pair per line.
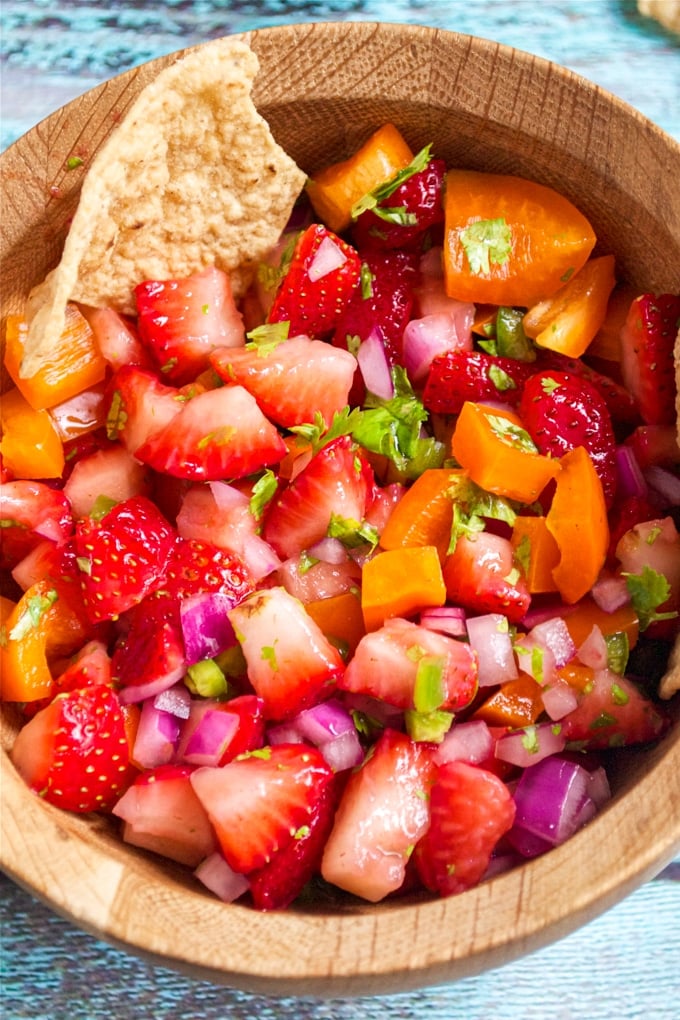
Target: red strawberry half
122,556
182,321
647,341
562,411
612,712
31,512
74,752
322,275
260,801
470,809
150,657
473,375
195,566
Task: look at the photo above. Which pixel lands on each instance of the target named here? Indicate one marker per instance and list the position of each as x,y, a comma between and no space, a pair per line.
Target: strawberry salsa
362,582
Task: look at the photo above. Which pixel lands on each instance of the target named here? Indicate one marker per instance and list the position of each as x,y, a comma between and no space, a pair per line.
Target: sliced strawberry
338,480
291,664
561,411
647,342
122,556
620,403
74,752
278,883
323,274
217,434
116,337
385,666
383,813
112,472
470,810
624,515
292,383
195,566
612,712
31,512
139,406
655,446
182,321
162,813
89,667
458,376
260,801
385,301
480,575
401,219
150,657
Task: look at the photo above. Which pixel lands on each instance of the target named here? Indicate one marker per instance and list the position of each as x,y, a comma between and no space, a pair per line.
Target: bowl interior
323,89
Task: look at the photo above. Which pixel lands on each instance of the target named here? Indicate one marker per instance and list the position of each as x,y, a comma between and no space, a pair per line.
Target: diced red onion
205,625
227,496
610,593
550,799
156,737
526,843
216,875
490,638
324,721
285,733
531,745
175,700
374,366
327,258
544,610
469,741
328,726
554,634
211,737
431,336
343,752
593,651
630,480
383,714
559,699
501,863
329,550
445,620
665,483
599,790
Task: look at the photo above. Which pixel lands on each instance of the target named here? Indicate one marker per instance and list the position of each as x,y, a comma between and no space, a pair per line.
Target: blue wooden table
623,965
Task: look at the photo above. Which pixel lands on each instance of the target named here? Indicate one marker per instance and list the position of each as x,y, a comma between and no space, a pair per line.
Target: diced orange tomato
424,514
499,455
398,582
587,614
515,703
607,341
25,673
535,239
577,520
537,551
484,320
577,675
73,365
299,454
568,321
80,414
340,618
335,190
131,716
30,445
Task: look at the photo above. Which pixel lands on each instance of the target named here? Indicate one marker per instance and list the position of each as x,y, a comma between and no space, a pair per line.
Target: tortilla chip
191,177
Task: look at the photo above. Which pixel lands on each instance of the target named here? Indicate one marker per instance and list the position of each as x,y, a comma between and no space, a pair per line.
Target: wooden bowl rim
367,949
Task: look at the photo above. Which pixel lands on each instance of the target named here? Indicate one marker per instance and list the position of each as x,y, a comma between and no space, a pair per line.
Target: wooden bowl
323,89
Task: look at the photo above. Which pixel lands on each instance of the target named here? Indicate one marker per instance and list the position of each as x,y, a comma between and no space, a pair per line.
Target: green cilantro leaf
383,191
266,338
36,607
486,242
262,494
352,533
648,590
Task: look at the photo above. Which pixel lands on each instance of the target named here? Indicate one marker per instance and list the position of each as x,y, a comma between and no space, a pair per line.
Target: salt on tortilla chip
191,177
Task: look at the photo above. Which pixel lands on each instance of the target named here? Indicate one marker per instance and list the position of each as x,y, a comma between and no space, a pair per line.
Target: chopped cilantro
486,242
530,740
265,339
169,365
549,385
501,380
116,417
522,554
269,655
306,562
648,590
383,191
619,696
511,434
300,833
603,720
352,533
471,505
263,492
366,281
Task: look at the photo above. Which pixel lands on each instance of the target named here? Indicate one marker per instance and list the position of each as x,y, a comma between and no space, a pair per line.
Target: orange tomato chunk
499,455
340,618
537,551
516,703
335,190
509,241
398,582
73,365
424,514
568,321
30,445
587,614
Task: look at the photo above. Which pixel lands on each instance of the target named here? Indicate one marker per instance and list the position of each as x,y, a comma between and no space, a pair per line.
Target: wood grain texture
323,88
